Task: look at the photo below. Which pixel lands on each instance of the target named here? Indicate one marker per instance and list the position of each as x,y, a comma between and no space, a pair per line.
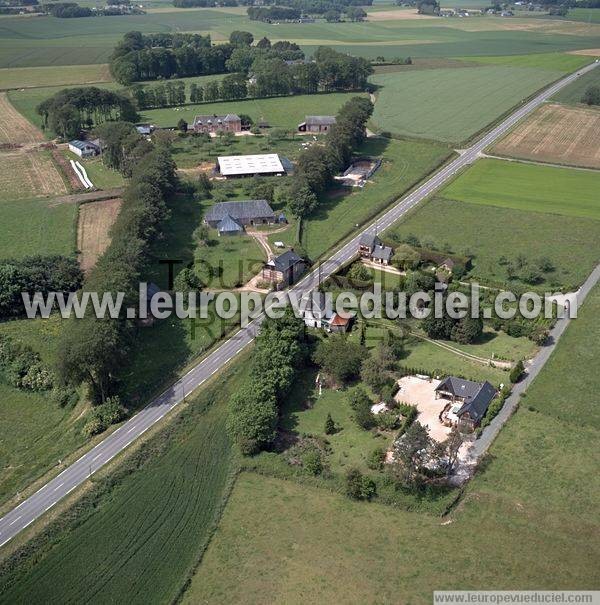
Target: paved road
46,497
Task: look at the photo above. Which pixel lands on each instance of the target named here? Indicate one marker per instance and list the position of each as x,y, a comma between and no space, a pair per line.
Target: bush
312,462
329,425
93,427
517,372
102,416
387,421
359,486
376,459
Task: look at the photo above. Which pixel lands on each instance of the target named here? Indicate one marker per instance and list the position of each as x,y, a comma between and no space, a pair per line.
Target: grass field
404,164
36,227
452,104
537,494
14,127
490,233
93,230
529,187
101,176
25,77
281,112
26,42
572,93
145,531
552,61
35,432
588,15
556,134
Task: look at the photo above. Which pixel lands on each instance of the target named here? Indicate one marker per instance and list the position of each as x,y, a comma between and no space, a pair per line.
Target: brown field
27,174
556,134
589,52
95,221
14,128
397,15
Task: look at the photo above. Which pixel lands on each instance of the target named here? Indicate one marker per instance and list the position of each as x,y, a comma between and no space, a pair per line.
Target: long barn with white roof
267,164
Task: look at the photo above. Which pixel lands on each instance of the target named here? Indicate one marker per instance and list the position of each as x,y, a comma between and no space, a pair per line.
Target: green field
36,226
588,15
35,432
143,533
26,42
572,93
538,493
529,187
24,77
552,61
489,233
404,164
452,104
282,112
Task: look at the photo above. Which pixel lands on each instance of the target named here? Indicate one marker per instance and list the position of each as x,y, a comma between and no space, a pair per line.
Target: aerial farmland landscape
299,301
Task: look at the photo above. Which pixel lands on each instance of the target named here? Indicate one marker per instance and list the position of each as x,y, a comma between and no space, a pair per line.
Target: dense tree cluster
22,368
70,110
35,274
66,10
293,10
93,349
278,353
465,331
591,96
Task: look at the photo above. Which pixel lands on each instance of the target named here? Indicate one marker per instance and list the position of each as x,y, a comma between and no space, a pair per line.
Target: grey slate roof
247,209
214,118
369,241
286,260
83,144
229,225
383,253
320,120
477,395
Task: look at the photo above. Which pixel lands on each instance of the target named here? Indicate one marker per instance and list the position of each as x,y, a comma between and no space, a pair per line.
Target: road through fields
46,497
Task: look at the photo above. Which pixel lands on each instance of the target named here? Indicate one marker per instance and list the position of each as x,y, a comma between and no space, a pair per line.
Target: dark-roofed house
284,269
469,401
382,255
229,226
247,212
214,123
316,124
367,244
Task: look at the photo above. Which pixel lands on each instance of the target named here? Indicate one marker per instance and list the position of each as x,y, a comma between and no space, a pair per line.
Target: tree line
93,350
70,110
279,352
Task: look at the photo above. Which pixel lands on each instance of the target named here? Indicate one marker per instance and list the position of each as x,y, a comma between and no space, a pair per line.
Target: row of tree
72,109
92,349
279,351
33,274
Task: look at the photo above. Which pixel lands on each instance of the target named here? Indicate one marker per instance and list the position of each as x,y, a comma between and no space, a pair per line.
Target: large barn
233,166
224,215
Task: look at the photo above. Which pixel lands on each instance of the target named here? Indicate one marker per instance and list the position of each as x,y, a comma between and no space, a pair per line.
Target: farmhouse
284,269
84,149
382,255
235,166
316,124
214,123
317,311
226,215
469,401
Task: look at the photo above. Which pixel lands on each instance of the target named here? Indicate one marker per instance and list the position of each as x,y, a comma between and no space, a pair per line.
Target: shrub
517,372
312,462
376,459
359,486
329,425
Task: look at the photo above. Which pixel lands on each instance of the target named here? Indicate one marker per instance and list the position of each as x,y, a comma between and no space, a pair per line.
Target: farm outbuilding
247,212
316,124
235,166
84,149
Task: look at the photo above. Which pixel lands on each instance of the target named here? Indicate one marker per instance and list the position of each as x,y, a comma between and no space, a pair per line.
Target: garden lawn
519,186
143,531
490,233
101,176
404,164
537,493
29,227
452,104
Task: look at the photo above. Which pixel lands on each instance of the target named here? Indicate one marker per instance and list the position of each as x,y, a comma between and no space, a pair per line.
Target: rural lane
71,477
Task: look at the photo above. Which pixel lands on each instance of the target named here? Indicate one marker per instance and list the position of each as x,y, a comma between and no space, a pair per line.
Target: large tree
339,357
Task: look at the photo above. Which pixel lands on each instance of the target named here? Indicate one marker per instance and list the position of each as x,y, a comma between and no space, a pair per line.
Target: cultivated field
452,104
556,134
25,77
145,531
27,174
538,493
93,230
14,128
529,187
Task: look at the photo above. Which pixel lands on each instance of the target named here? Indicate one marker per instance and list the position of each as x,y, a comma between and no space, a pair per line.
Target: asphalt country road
71,477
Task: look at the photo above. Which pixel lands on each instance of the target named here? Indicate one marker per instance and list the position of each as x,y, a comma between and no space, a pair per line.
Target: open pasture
93,230
27,174
452,104
556,134
529,187
27,77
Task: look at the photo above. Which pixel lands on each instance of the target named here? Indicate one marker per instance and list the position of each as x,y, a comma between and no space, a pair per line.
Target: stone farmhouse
214,123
